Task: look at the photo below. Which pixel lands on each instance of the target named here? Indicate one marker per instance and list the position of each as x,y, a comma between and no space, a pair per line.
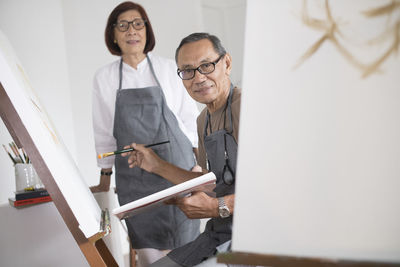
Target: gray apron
142,116
221,151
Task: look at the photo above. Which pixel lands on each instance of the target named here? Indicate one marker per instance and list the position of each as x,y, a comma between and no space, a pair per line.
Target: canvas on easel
31,128
318,175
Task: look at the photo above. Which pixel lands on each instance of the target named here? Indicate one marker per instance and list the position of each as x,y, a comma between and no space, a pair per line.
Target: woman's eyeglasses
123,25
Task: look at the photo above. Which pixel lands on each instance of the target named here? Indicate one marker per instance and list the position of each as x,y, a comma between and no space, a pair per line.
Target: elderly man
204,67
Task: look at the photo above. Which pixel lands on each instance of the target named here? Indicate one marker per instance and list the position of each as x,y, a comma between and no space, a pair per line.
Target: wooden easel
288,261
93,248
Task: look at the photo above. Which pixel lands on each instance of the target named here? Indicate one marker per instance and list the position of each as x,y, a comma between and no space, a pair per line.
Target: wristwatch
223,209
106,173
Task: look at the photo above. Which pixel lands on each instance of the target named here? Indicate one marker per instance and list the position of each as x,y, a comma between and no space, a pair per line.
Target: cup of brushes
26,178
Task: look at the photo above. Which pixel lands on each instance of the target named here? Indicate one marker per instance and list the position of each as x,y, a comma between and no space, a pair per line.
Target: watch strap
106,173
221,202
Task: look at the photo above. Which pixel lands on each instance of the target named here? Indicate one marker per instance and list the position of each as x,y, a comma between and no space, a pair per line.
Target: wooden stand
287,261
94,248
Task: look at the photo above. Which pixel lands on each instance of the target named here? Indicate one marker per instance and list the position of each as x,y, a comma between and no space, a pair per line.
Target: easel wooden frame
94,249
288,261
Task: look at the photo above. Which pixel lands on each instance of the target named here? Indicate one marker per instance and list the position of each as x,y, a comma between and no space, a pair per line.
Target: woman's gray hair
197,36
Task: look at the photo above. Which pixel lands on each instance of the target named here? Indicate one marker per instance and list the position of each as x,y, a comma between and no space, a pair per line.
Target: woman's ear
228,64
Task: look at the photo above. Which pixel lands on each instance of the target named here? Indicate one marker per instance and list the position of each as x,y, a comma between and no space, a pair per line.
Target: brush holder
26,177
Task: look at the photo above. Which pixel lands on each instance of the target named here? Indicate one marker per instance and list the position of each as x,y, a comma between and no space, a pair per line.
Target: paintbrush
9,154
25,155
100,156
14,149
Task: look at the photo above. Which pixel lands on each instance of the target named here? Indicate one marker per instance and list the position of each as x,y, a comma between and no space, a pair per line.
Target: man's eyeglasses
123,25
205,68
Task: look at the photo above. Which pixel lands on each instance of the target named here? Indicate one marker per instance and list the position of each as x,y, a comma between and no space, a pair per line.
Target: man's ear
228,64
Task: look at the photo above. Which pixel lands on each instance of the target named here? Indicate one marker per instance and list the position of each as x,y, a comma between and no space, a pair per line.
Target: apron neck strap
151,68
227,107
120,74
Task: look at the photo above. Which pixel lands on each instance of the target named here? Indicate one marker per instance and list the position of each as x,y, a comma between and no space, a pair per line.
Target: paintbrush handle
12,159
157,144
16,151
127,150
9,154
123,151
131,149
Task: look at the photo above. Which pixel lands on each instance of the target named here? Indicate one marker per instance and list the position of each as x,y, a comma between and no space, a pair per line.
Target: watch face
224,212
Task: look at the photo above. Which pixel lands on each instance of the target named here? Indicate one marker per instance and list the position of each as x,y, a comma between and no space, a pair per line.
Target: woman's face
132,41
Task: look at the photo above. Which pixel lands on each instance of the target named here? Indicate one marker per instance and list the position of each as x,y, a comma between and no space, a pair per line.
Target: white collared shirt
105,86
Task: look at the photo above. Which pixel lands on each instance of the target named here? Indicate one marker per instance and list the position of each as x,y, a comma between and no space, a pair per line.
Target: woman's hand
104,184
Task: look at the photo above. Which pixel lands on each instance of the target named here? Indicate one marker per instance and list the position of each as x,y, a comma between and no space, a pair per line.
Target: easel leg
132,257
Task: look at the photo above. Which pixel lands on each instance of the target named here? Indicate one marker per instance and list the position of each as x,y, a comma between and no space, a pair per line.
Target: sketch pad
205,183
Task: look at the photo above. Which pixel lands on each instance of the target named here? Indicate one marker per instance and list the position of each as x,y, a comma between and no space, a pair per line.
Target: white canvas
53,151
319,142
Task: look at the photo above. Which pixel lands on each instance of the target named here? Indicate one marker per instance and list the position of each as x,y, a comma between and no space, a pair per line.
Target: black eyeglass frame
130,22
178,71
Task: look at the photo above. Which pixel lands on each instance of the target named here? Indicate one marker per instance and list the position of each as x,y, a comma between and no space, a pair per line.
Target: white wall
226,19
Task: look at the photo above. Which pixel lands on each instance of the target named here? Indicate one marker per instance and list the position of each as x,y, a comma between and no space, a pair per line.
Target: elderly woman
139,98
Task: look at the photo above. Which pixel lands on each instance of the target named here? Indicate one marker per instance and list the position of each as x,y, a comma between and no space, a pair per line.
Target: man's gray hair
197,36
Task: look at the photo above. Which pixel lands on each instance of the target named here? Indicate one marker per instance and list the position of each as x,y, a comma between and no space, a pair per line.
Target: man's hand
199,205
146,159
197,168
142,157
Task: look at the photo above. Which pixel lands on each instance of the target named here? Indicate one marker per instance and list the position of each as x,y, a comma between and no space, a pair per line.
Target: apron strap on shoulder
120,75
229,109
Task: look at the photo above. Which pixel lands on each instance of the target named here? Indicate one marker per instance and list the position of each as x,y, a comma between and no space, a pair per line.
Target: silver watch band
221,202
